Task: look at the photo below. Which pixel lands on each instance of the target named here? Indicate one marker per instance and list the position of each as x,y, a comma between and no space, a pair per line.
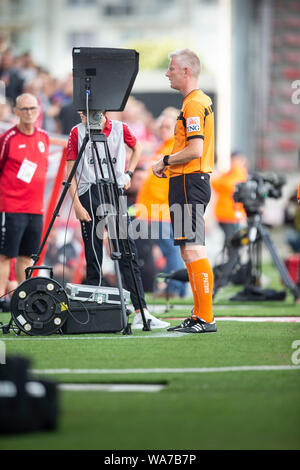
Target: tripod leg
127,329
254,250
126,252
113,196
6,328
286,279
129,253
225,273
101,195
130,269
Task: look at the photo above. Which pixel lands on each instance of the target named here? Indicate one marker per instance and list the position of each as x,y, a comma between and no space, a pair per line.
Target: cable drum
39,306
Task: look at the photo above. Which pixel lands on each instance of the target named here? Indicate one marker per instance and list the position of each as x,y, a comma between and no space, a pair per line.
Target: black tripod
109,195
253,237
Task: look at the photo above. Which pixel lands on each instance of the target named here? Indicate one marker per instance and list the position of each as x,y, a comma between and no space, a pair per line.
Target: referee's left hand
159,169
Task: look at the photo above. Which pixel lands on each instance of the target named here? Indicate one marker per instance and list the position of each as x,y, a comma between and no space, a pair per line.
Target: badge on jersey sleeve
193,124
26,171
41,146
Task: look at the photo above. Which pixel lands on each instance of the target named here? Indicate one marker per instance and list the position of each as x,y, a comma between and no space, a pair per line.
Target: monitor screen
107,73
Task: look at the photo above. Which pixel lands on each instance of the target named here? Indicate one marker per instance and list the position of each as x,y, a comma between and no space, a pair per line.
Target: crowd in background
20,73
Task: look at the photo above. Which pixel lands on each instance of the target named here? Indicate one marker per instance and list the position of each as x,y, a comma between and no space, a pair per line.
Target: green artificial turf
211,410
222,410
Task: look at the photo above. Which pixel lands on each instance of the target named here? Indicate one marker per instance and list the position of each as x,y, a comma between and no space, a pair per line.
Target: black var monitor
107,75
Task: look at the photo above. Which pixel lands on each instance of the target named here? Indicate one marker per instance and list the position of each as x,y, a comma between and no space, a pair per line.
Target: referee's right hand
159,169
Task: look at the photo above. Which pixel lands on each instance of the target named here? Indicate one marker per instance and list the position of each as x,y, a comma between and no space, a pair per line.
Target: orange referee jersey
153,196
196,120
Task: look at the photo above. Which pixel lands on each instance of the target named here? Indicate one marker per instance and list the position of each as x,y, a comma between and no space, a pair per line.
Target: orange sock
192,283
202,276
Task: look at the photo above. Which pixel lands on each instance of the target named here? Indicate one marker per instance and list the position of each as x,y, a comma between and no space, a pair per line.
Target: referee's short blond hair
187,58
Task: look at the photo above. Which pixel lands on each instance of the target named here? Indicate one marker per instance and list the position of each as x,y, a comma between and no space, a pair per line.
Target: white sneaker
138,324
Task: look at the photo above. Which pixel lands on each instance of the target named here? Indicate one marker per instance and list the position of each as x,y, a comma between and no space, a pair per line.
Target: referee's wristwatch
130,173
166,160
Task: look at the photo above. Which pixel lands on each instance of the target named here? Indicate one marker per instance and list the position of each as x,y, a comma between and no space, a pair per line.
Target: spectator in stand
132,116
64,93
140,121
23,167
3,44
6,113
68,116
230,214
28,70
153,207
10,75
145,247
43,87
48,86
292,220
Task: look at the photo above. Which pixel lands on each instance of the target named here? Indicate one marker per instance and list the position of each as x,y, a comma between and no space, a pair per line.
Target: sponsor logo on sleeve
193,124
41,146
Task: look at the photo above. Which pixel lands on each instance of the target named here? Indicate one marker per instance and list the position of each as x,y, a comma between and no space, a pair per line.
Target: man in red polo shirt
23,166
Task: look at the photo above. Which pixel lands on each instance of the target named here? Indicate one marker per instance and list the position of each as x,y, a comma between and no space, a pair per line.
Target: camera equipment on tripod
103,79
252,194
256,189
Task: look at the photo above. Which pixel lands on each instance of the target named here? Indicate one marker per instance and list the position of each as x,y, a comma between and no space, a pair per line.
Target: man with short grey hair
190,164
23,167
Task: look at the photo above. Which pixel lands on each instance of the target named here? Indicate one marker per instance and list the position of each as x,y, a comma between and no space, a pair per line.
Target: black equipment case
91,317
94,309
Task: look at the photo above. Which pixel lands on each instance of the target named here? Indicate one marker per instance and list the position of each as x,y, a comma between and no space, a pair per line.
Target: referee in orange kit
190,165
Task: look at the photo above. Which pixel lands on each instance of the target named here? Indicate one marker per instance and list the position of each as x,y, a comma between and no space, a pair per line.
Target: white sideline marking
250,319
111,387
81,338
161,308
165,370
260,319
154,335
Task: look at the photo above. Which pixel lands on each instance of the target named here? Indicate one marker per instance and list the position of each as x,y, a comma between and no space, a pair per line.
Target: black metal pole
128,254
101,196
